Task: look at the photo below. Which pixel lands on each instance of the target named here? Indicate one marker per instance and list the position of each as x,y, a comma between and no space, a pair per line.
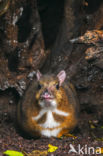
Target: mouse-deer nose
46,94
46,90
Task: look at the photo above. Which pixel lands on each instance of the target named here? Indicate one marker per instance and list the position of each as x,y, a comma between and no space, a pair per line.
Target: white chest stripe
50,133
59,112
50,122
42,112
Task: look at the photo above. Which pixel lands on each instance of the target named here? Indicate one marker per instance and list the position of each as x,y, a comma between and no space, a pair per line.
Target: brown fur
65,97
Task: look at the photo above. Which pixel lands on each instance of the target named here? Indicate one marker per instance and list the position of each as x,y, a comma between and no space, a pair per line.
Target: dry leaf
70,135
13,153
92,126
52,148
99,151
38,153
99,139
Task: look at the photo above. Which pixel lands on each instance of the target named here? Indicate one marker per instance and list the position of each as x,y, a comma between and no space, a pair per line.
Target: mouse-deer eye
39,86
57,86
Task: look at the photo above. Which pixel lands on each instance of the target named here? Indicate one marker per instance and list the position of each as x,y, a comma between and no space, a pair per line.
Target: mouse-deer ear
61,76
38,75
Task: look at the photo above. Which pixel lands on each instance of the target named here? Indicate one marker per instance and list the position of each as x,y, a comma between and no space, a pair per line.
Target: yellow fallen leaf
99,139
38,153
52,148
70,135
92,126
100,150
13,153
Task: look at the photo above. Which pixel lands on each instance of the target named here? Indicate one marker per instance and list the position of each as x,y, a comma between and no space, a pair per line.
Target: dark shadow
24,24
13,60
10,91
23,133
93,6
51,15
89,109
8,101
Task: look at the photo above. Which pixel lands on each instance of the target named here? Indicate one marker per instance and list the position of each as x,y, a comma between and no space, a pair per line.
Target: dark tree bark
22,47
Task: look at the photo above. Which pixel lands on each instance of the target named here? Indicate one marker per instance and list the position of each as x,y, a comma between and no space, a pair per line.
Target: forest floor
87,135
